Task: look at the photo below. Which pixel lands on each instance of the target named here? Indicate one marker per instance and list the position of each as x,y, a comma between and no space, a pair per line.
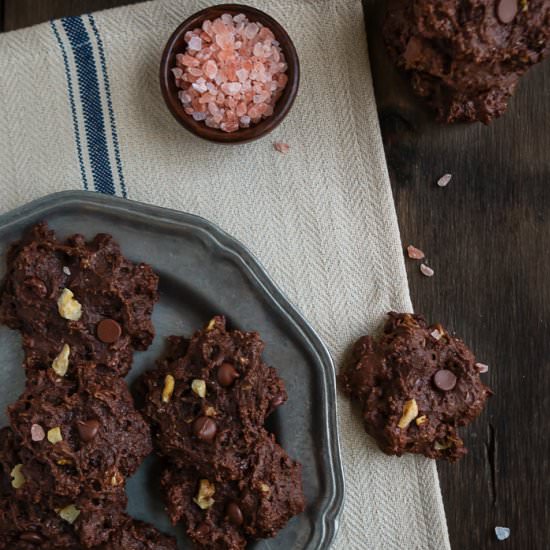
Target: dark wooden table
487,235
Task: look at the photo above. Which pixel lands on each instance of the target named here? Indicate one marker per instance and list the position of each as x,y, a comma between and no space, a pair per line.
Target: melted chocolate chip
205,428
87,430
445,380
234,514
507,10
31,537
108,331
227,374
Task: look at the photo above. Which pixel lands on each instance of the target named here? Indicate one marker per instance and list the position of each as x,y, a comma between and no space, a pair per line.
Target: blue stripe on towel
72,104
91,104
109,103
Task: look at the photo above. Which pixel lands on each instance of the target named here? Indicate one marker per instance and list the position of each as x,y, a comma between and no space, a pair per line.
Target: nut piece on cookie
415,389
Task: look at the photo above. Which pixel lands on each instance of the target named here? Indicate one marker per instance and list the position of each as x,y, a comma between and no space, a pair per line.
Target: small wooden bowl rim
169,90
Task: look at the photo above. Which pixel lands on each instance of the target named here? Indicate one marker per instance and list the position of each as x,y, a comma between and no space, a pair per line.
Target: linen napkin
81,109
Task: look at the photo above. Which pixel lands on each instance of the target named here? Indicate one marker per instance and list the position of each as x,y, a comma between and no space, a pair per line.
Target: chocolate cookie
78,434
466,57
226,478
416,385
25,519
227,514
208,398
81,299
137,535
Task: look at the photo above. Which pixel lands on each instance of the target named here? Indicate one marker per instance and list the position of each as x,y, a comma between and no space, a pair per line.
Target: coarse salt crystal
444,180
66,270
415,253
195,43
436,335
232,73
426,270
281,147
37,432
482,367
502,533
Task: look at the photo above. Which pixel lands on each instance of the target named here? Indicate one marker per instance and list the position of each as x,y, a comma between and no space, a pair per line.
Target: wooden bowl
176,44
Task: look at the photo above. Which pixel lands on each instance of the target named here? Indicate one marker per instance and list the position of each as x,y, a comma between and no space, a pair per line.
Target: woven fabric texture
81,109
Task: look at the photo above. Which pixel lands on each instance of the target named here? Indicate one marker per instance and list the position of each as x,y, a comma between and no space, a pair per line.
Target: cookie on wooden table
466,58
416,384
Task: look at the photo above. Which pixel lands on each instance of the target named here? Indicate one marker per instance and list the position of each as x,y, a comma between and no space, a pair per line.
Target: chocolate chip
108,331
227,374
205,428
507,10
31,537
445,380
234,514
87,430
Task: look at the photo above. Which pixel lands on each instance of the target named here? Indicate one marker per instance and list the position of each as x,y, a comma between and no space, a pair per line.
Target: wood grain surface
487,236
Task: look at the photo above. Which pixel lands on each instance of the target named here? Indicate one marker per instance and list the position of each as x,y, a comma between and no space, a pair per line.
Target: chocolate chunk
205,428
507,10
445,379
234,514
87,430
227,374
108,331
398,379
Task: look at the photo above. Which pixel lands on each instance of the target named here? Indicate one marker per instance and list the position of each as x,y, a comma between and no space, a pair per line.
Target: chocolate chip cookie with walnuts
416,385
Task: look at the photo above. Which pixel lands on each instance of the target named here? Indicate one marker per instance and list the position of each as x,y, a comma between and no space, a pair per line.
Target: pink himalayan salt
37,432
232,73
282,147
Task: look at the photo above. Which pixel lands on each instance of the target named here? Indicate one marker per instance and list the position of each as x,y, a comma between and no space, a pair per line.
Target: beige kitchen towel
81,108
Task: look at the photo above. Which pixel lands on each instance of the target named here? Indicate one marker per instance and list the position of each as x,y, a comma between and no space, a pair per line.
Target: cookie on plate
78,434
28,518
207,400
82,295
466,58
228,514
416,384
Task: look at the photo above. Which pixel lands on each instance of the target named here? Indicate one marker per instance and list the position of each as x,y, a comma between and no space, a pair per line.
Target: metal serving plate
203,271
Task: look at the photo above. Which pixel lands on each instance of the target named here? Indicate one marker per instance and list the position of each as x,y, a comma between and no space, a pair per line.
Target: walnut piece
61,363
410,412
421,420
18,479
54,435
68,307
204,497
168,389
69,513
199,387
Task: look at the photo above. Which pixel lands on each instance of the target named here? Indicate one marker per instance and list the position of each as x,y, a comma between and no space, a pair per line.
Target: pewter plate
203,271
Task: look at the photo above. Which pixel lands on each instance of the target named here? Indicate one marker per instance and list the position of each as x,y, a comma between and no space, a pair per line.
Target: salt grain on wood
426,270
443,181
